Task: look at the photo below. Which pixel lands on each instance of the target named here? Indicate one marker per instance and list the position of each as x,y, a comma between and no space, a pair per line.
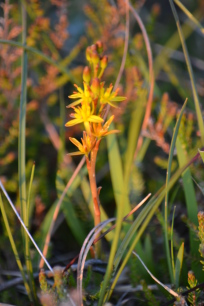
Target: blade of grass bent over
190,71
173,142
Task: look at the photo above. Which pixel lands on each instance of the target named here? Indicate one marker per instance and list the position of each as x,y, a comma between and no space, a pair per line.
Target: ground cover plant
101,153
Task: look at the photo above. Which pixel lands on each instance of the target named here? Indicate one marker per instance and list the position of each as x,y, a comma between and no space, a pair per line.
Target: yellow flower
108,97
82,95
85,147
101,131
85,115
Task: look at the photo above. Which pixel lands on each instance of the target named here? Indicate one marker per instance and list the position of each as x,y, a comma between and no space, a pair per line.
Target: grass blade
29,194
116,171
173,142
172,243
191,202
179,263
190,71
190,16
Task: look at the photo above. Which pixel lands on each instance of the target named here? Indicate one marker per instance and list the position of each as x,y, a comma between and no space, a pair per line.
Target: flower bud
93,48
87,74
88,54
99,46
95,58
104,62
95,87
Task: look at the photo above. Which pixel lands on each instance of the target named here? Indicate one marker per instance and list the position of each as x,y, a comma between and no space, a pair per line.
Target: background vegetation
156,60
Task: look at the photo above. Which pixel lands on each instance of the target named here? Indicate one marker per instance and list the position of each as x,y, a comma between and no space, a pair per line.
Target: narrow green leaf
190,71
172,243
29,195
179,263
190,16
190,199
173,142
134,131
116,171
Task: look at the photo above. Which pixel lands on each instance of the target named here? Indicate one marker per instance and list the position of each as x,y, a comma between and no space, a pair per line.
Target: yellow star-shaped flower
100,130
83,115
109,97
81,95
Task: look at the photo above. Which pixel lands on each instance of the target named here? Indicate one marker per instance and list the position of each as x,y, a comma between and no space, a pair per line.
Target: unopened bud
104,62
88,54
93,48
95,87
99,46
95,58
87,74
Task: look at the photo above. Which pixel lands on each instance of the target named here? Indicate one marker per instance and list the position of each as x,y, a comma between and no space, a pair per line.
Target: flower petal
94,118
74,103
75,141
76,153
73,122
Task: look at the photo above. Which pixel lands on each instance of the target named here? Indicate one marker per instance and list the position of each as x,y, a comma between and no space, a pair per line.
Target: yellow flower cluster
91,101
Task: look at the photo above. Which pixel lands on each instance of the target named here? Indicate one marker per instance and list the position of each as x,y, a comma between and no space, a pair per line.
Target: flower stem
91,163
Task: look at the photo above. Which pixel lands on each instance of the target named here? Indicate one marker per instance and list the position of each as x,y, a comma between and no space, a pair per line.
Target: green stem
22,157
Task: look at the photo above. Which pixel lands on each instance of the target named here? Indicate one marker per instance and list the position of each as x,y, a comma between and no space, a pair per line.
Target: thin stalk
91,165
22,124
151,75
21,155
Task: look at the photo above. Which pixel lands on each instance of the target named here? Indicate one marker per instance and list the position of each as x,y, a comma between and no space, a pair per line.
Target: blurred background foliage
61,30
